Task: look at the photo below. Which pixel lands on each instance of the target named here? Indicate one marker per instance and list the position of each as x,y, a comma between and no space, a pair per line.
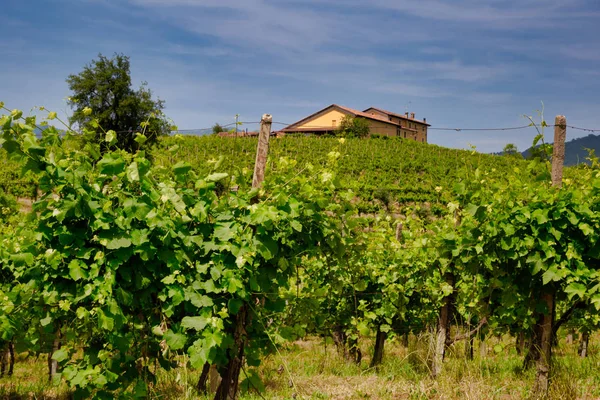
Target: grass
316,371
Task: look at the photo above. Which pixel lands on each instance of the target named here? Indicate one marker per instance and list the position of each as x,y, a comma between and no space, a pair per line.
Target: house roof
401,116
346,110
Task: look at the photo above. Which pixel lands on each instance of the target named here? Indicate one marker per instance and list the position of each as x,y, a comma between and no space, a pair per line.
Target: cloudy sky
460,63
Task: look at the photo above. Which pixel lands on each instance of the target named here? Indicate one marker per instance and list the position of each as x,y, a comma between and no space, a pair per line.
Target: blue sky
462,63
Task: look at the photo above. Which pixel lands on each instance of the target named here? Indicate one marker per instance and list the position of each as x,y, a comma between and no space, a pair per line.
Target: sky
460,63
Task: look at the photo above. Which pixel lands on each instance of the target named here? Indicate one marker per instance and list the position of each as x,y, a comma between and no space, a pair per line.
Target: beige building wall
381,128
420,135
378,113
331,118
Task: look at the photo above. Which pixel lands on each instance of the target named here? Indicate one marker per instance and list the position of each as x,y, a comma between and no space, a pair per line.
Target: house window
333,121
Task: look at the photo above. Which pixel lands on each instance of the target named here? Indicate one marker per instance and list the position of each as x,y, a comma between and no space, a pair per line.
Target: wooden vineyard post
546,319
228,388
442,332
262,150
381,336
558,153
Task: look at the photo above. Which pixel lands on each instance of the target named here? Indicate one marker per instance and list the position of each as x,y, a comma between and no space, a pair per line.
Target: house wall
378,113
324,120
381,128
419,136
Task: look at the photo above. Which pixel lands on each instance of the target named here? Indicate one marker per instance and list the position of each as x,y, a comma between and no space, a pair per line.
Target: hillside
382,172
575,150
393,171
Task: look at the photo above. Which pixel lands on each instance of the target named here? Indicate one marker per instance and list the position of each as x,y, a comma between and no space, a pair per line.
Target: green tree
103,97
217,128
353,127
511,150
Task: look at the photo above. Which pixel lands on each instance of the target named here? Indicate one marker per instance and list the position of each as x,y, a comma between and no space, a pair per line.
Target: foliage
217,129
404,172
353,127
12,181
134,264
103,100
540,151
127,256
8,205
511,150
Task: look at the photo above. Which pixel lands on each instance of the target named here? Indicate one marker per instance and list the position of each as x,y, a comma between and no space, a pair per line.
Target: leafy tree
511,150
353,127
103,97
217,128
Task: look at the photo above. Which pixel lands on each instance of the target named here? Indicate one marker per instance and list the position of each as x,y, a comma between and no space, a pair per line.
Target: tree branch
468,334
578,305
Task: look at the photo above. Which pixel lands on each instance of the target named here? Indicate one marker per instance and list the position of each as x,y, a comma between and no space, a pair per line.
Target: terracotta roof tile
402,116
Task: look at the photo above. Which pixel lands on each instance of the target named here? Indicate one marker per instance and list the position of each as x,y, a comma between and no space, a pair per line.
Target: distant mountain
194,132
575,150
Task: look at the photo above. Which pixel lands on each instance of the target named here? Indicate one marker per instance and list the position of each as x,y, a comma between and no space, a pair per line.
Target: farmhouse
381,122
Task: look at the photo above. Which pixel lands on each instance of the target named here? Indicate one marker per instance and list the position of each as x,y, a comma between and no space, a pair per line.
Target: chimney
412,115
406,114
425,120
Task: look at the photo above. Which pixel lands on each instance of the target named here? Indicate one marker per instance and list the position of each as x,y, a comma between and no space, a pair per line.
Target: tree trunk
339,338
533,352
228,388
11,353
483,348
3,358
520,345
569,338
544,361
378,351
469,344
214,379
53,364
209,376
442,332
354,353
405,340
583,345
203,380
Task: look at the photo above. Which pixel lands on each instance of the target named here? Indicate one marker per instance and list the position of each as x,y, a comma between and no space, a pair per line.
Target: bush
8,205
351,127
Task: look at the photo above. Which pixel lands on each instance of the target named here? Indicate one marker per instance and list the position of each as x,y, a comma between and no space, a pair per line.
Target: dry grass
312,370
30,381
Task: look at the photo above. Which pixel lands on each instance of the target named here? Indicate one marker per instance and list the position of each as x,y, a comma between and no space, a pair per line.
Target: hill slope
393,171
575,150
388,172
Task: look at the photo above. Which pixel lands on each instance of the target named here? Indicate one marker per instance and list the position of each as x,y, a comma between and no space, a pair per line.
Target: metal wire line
479,129
430,128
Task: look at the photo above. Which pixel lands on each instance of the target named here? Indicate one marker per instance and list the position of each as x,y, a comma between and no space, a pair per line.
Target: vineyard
169,273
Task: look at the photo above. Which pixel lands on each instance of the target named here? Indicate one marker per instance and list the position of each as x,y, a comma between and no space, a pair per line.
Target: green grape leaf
176,341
